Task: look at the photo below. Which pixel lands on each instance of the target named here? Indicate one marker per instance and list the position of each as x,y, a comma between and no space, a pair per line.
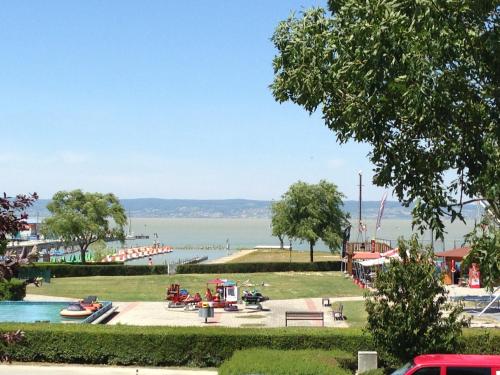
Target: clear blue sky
164,99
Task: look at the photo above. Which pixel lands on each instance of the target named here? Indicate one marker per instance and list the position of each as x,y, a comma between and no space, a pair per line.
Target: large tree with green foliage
279,221
312,212
418,81
408,312
85,218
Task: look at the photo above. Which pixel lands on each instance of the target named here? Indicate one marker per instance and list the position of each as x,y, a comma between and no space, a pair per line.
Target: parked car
452,364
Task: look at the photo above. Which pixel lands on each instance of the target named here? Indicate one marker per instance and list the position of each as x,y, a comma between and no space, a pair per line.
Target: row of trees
310,212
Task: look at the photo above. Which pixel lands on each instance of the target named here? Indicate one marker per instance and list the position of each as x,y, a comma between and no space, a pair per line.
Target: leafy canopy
418,81
310,212
85,218
13,216
408,313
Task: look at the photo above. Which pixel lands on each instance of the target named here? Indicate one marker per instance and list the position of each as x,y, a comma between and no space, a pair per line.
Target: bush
99,269
270,362
258,267
192,346
167,346
13,290
405,311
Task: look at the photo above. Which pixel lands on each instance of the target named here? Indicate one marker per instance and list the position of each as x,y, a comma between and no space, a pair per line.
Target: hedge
120,269
258,267
13,290
165,346
99,269
190,346
278,362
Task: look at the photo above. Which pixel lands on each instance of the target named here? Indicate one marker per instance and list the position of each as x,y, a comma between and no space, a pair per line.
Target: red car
452,364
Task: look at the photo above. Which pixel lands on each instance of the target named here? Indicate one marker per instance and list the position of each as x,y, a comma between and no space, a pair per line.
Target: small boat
75,310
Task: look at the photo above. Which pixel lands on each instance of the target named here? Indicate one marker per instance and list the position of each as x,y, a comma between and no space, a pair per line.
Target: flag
381,211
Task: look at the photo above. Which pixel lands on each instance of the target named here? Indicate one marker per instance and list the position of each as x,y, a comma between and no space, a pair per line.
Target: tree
13,216
485,251
418,81
405,312
85,218
279,223
12,220
314,212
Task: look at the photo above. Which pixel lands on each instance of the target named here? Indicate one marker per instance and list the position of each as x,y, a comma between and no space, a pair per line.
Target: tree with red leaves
13,218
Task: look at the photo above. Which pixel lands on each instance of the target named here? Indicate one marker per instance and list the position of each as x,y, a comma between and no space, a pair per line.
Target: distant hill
233,208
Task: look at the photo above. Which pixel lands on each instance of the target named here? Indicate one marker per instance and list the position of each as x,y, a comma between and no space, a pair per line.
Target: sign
474,276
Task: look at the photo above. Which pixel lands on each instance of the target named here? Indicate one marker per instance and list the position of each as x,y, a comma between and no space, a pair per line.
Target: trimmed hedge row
13,290
258,267
190,346
110,269
165,346
106,269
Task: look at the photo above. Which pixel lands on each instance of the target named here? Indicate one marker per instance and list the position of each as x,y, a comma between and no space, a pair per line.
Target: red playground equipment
226,293
180,297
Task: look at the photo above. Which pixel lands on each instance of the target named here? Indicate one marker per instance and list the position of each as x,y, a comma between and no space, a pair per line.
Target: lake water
200,237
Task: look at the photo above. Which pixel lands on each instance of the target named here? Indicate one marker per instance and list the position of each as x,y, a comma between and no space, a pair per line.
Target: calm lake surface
192,237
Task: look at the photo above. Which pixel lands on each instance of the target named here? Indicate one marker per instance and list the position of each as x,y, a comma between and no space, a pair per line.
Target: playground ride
82,308
226,294
253,297
178,297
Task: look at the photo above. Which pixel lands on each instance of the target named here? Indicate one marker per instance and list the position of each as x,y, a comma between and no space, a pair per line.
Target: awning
460,252
365,255
374,262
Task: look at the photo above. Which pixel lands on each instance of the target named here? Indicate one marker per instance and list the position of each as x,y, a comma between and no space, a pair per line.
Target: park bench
304,315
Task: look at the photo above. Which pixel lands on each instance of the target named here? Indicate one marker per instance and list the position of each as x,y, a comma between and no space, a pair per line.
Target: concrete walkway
51,369
231,257
273,315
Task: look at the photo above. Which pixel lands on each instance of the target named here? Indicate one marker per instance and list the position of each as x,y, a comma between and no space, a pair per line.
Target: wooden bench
304,315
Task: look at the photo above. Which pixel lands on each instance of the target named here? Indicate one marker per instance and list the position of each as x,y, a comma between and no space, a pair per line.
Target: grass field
268,256
355,313
282,285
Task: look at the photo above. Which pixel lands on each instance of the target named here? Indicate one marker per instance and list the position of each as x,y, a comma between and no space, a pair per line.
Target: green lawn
282,285
268,256
355,313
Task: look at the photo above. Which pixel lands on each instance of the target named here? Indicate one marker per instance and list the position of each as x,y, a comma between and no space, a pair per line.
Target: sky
165,99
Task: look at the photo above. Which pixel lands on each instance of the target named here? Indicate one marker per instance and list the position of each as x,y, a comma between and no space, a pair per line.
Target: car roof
457,359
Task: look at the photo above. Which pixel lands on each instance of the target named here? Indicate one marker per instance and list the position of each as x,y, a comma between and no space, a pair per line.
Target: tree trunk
83,251
281,242
311,245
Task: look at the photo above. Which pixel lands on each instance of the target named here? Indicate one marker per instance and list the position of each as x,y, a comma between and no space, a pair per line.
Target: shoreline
228,258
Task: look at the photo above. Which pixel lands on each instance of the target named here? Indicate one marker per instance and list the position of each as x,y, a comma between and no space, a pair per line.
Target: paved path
273,315
231,257
50,369
40,297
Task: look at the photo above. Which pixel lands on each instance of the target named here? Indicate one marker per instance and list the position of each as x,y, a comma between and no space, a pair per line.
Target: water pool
31,312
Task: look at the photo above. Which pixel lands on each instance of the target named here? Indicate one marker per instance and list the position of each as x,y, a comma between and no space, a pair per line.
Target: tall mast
360,197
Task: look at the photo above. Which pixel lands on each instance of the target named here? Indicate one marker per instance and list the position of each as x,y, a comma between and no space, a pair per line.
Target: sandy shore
231,257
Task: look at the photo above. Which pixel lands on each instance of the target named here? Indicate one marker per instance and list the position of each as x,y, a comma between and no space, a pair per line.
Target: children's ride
253,297
178,297
225,293
82,308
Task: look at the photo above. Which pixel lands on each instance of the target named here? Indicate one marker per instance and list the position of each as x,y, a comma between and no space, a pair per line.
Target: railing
172,266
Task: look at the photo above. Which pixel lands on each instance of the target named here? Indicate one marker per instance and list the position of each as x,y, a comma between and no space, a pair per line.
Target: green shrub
13,290
282,362
193,346
258,267
99,269
167,346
